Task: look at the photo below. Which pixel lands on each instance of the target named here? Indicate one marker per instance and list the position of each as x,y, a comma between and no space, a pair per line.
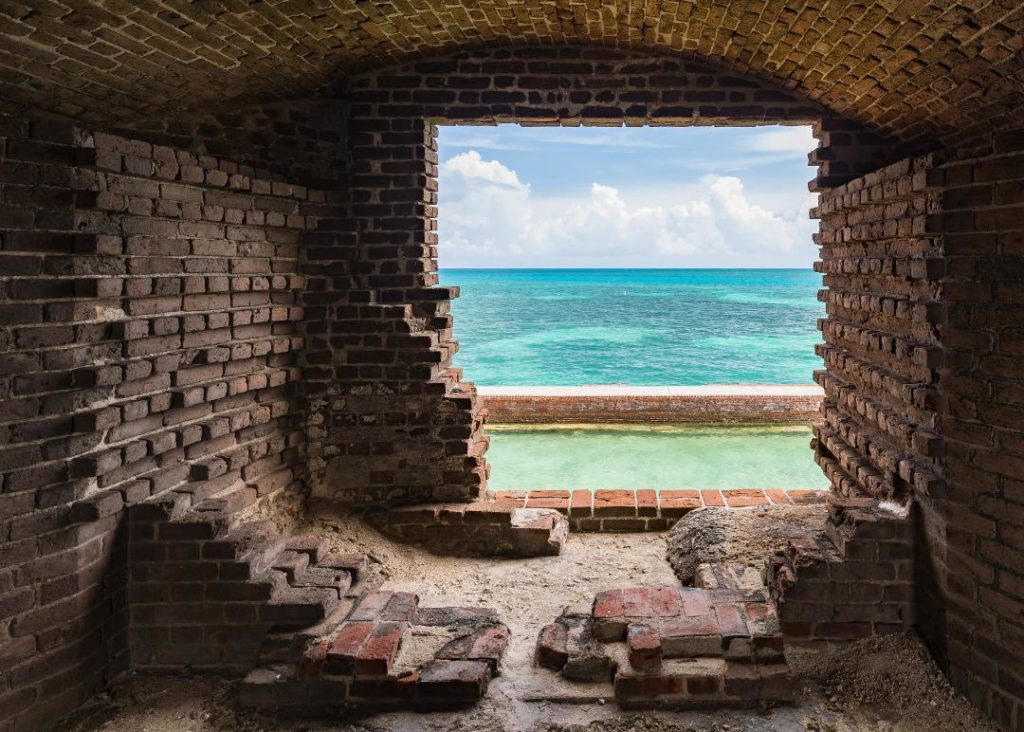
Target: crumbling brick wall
882,267
157,300
394,421
148,345
878,440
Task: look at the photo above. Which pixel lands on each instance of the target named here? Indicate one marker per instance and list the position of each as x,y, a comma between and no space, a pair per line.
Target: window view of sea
638,327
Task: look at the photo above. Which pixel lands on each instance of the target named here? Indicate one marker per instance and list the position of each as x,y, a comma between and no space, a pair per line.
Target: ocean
638,327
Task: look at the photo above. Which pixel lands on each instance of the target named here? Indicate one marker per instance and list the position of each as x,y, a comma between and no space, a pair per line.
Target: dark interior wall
62,587
149,336
980,635
399,424
166,291
299,141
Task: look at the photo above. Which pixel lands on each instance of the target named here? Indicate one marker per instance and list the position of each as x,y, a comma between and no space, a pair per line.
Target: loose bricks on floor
385,652
689,647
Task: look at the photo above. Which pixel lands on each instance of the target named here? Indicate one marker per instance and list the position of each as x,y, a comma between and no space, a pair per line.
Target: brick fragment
379,649
552,651
644,646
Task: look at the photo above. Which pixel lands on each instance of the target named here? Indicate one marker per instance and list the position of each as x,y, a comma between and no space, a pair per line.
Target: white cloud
471,165
489,217
783,140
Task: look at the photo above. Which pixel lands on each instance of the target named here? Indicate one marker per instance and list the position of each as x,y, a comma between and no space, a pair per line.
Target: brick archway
403,367
152,370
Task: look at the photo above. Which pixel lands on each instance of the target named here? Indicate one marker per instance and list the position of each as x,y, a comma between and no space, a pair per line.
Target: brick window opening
608,276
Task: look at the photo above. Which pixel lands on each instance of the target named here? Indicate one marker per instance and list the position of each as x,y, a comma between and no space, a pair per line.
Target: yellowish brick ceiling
924,71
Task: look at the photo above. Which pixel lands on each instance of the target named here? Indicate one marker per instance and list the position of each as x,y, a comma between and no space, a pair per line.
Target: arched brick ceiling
923,71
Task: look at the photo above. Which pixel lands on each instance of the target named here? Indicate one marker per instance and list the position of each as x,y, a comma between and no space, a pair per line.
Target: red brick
777,496
489,645
614,503
695,601
581,502
647,502
509,498
745,497
401,607
609,623
453,681
712,498
636,602
552,646
344,648
386,689
646,686
689,625
644,649
371,606
704,685
558,500
380,648
731,620
674,504
665,601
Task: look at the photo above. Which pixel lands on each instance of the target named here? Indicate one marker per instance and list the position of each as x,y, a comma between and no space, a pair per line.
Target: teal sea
641,327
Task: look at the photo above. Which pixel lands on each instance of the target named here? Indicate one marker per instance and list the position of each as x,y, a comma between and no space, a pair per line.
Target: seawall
712,403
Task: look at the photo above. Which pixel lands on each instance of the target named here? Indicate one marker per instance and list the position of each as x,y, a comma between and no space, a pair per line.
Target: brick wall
397,422
853,580
923,263
299,141
879,440
512,405
148,345
978,567
926,72
882,269
157,317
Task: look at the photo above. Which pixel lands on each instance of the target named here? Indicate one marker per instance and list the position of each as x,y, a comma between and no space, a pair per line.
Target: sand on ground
879,684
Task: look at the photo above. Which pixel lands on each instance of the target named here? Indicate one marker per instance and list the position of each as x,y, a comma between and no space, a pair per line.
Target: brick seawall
646,509
546,404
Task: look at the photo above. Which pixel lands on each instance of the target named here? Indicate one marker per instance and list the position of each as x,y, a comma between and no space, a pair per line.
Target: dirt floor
883,684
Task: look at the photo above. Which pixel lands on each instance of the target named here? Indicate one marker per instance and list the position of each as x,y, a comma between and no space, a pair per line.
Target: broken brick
552,649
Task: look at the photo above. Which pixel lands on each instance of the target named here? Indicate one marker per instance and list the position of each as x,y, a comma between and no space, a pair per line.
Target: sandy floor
887,684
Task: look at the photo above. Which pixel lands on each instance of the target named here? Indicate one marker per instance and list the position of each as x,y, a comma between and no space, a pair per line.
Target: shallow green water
652,456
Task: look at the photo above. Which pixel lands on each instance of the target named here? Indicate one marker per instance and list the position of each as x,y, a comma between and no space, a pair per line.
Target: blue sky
515,196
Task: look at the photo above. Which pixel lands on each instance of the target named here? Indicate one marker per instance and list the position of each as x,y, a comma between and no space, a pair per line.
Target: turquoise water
652,456
642,327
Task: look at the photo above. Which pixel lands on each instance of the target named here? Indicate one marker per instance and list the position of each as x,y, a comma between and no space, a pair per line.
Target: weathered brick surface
644,509
148,340
299,141
158,287
853,581
390,418
207,588
882,264
481,529
356,661
689,647
972,592
572,406
924,71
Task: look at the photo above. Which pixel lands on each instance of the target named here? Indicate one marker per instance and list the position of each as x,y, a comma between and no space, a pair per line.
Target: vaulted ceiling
923,71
